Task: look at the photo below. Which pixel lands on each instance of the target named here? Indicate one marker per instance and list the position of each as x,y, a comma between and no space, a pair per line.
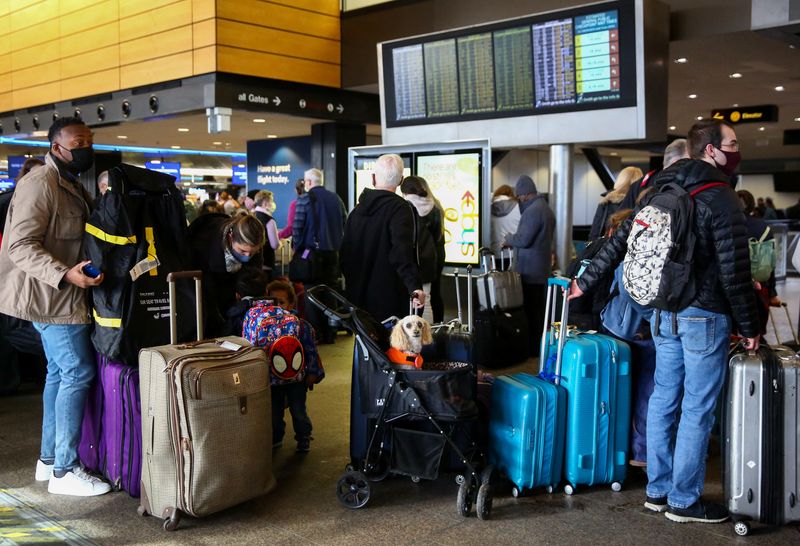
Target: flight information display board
577,59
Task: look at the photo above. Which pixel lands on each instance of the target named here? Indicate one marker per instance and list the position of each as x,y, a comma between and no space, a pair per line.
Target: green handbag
762,257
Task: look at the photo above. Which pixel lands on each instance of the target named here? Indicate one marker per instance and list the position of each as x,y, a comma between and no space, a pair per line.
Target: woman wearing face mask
265,206
221,247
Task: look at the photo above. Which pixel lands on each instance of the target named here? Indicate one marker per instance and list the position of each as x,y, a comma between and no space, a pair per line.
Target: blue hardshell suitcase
596,373
527,421
526,431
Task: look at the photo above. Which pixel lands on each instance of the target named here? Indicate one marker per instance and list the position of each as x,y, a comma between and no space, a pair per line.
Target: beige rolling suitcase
206,422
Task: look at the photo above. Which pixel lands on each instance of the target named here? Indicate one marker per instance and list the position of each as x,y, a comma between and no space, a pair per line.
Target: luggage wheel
517,492
141,511
415,479
741,528
616,487
569,489
171,522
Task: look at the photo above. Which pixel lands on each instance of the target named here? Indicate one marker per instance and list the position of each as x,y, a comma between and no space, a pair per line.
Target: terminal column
561,157
329,144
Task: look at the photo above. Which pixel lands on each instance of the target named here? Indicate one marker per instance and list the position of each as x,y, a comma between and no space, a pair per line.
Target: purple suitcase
119,451
91,449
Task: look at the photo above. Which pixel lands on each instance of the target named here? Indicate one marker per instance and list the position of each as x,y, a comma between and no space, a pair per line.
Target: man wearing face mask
41,264
692,344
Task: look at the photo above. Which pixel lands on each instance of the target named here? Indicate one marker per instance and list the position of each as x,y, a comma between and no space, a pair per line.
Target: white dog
408,337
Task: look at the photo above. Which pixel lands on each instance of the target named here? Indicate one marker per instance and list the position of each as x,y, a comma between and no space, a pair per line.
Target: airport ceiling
769,72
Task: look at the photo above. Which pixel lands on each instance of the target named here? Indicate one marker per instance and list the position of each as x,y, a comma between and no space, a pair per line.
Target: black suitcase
500,338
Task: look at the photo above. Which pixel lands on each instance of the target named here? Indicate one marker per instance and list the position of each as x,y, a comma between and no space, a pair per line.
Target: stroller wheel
464,500
483,504
353,490
415,479
460,479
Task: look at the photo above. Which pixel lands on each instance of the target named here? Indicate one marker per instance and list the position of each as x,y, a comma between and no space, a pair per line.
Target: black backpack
659,263
140,218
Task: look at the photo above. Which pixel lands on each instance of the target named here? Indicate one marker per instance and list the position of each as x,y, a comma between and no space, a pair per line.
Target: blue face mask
240,257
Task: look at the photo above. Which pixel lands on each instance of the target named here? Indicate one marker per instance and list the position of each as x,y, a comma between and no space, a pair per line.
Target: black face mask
82,159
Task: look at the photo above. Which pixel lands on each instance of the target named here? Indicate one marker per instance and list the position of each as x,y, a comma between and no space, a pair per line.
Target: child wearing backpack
294,364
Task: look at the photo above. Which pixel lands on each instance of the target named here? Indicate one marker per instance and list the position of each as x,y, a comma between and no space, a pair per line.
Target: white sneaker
43,471
79,483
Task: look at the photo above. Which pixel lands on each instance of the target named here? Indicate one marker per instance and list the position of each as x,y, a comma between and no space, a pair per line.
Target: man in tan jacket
41,264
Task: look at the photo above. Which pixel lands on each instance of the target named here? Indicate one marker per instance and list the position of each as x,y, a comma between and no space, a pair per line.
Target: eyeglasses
732,145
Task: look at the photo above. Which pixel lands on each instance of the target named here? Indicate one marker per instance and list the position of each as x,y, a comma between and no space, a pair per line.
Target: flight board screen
577,59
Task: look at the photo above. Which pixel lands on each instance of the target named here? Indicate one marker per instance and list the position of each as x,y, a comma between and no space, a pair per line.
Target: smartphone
90,271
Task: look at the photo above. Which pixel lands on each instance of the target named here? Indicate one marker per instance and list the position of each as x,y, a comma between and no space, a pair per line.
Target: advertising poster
275,165
455,181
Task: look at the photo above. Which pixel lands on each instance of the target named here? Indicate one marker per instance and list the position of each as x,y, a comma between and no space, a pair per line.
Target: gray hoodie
533,241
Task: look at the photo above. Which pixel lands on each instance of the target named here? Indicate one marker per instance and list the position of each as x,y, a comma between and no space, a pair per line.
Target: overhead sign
747,114
172,169
240,175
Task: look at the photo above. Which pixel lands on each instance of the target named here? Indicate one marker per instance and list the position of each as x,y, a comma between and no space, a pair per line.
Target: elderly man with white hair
378,255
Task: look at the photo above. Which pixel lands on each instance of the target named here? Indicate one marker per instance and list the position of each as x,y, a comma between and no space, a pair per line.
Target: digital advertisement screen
455,180
575,59
15,163
240,175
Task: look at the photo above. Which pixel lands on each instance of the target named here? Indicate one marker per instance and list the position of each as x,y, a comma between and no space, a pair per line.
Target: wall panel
54,50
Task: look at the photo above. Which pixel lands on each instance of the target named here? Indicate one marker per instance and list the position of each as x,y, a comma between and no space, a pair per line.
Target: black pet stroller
406,421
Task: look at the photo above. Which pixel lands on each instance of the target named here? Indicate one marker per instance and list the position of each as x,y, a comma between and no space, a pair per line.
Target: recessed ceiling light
681,60
692,96
217,143
122,137
735,105
272,136
699,118
183,129
672,127
259,120
175,147
735,75
778,88
762,128
797,118
614,153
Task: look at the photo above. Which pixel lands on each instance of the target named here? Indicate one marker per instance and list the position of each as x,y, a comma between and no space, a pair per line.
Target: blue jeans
70,370
691,364
295,394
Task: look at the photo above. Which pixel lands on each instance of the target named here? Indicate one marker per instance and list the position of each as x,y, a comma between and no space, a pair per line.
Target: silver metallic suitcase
761,438
206,423
496,288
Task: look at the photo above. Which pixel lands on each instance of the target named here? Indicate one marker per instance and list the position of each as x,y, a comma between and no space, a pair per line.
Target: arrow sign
467,197
340,108
276,101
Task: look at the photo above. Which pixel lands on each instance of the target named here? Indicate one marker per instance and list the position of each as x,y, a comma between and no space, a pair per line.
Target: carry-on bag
501,338
528,420
761,458
453,340
498,288
596,373
206,422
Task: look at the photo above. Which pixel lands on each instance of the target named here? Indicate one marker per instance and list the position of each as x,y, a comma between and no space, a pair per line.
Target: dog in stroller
403,419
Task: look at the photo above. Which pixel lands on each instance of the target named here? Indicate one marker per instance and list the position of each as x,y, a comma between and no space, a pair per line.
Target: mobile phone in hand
90,271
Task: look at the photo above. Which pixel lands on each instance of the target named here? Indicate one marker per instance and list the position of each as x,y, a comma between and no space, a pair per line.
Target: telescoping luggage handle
487,254
173,307
553,285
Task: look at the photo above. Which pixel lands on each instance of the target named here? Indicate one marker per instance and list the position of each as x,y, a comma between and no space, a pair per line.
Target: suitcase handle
553,284
458,295
791,325
173,296
469,299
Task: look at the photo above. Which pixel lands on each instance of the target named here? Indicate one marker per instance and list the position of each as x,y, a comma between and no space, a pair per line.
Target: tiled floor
304,510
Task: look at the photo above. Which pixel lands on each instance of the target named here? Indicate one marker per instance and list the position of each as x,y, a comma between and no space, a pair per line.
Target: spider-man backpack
288,341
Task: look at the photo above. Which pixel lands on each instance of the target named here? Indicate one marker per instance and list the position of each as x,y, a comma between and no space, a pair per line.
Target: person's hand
757,285
775,301
750,343
75,276
574,291
419,299
311,380
505,245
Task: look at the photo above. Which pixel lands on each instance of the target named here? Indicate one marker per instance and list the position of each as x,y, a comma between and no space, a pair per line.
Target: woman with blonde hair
265,206
611,200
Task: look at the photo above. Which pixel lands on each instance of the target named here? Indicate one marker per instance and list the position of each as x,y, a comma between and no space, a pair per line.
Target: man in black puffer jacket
692,344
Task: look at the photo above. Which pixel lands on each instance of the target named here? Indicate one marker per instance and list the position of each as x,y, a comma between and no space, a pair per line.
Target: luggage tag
148,264
231,346
305,254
